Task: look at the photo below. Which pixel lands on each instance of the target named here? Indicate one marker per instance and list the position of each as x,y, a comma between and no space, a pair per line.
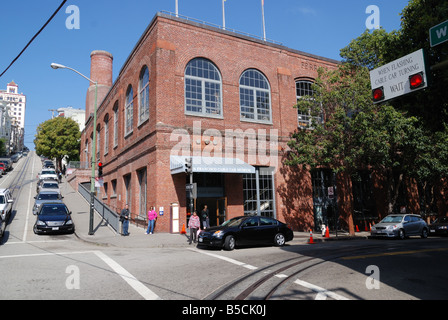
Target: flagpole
223,14
177,9
264,25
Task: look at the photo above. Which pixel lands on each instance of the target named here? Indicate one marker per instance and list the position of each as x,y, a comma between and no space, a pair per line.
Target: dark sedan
247,230
439,227
53,218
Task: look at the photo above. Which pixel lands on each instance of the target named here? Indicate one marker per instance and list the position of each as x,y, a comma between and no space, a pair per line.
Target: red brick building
188,89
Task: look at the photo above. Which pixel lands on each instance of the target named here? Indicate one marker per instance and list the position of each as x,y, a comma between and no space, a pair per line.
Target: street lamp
92,178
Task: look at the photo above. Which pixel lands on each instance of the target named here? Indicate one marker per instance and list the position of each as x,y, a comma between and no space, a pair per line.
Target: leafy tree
58,138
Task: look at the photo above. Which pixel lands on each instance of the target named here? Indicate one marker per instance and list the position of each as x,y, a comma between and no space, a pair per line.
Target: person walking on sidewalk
152,217
194,224
124,218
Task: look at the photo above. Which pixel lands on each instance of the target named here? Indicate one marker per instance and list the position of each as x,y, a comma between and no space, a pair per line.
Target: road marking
37,241
322,294
27,216
383,254
139,287
238,263
129,278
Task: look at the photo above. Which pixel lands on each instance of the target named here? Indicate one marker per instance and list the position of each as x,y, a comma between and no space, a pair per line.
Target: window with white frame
304,88
115,124
143,95
203,88
106,135
255,97
129,110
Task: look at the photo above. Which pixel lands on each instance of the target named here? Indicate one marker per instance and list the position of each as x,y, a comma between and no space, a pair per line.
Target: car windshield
233,222
48,196
2,200
50,185
53,210
392,219
48,172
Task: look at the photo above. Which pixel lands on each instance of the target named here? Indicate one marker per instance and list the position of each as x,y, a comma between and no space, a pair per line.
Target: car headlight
391,227
69,222
40,223
218,234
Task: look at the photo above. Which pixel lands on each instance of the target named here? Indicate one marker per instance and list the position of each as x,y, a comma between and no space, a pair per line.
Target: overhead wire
34,37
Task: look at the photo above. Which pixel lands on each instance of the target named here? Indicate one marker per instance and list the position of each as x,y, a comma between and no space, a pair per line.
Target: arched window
129,110
203,88
255,97
143,107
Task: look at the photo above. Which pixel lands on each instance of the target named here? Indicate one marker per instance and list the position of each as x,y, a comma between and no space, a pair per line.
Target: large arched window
203,88
143,108
129,110
255,97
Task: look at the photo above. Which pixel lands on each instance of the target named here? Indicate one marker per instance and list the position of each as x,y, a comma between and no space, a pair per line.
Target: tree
58,138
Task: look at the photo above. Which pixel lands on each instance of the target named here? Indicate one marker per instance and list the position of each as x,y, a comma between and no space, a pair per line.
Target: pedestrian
124,218
152,217
194,224
205,218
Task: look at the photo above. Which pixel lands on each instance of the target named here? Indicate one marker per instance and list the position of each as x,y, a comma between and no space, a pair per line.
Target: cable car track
254,282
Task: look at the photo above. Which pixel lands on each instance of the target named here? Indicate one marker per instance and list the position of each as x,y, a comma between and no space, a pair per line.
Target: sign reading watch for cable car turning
399,77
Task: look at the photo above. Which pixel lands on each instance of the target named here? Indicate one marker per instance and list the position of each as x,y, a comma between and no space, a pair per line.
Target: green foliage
57,138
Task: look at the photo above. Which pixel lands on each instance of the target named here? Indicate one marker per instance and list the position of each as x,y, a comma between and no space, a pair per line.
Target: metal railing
108,215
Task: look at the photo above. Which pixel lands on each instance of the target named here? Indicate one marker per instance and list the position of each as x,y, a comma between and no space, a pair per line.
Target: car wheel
424,233
229,243
279,240
401,234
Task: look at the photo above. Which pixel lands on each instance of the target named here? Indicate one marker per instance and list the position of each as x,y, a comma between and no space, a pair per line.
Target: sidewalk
106,236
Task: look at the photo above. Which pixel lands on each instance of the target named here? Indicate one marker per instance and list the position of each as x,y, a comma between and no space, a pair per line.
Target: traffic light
378,94
100,169
417,81
188,165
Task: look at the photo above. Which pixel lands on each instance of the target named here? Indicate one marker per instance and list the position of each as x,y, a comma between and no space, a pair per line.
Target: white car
5,204
48,174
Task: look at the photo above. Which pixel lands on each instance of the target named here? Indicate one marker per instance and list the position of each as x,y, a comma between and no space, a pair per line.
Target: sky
320,27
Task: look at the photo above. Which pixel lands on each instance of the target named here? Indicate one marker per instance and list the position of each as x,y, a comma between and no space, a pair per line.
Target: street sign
439,34
394,79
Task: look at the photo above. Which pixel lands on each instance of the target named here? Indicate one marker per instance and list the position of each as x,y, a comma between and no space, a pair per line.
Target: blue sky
320,27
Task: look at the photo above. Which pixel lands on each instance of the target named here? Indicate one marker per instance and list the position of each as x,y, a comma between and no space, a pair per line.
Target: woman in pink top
152,217
194,224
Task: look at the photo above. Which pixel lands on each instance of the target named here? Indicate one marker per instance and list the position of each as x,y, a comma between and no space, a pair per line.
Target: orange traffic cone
311,241
370,227
327,233
357,230
183,229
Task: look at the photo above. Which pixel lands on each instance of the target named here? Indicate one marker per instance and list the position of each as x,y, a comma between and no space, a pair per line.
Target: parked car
439,227
53,218
247,230
400,226
48,185
7,163
6,202
48,174
2,169
46,197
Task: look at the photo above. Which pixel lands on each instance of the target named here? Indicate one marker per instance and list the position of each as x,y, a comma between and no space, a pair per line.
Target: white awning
210,165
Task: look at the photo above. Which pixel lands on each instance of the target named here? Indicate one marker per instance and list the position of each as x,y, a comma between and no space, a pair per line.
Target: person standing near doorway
194,224
205,218
152,217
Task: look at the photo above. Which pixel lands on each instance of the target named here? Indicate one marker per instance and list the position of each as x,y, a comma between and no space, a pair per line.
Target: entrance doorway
217,209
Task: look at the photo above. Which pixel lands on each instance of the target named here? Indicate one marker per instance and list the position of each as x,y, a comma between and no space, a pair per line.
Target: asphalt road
65,268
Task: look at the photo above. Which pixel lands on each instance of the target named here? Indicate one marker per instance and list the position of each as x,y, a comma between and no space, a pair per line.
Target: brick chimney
101,71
